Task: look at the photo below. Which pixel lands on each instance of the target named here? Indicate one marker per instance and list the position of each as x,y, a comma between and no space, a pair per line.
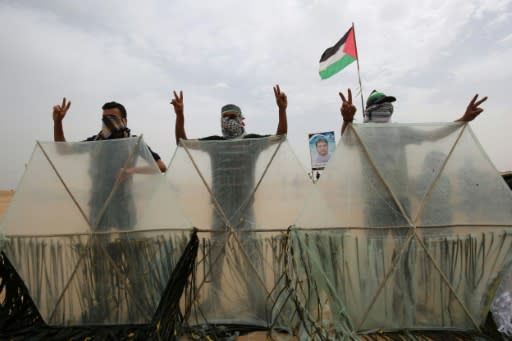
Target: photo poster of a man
321,147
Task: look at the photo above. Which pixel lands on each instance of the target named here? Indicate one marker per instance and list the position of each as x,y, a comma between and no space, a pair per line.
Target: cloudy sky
432,55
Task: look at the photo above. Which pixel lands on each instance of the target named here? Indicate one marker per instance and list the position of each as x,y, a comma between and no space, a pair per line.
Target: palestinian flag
337,57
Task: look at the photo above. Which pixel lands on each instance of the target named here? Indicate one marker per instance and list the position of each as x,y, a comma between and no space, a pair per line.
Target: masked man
233,159
232,120
379,109
392,156
106,164
111,207
230,163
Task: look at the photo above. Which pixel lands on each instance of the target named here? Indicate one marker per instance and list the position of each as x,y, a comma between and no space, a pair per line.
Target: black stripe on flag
332,50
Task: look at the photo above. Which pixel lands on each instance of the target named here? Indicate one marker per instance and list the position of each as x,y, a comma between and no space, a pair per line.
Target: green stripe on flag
336,66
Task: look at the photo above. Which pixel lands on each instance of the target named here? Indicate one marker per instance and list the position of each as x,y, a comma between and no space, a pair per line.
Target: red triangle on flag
350,44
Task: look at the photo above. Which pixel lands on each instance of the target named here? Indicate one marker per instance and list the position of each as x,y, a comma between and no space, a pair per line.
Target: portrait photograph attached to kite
321,147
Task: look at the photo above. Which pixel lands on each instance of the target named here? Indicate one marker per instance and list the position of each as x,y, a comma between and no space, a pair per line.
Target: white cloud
232,51
494,66
490,7
506,40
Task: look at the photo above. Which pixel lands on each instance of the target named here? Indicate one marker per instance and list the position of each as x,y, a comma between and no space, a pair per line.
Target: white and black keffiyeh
232,127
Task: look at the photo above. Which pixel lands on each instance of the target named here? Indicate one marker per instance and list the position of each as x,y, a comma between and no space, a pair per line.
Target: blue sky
432,55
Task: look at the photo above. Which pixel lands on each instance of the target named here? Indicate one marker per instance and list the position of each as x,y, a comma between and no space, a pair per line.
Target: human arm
179,129
472,110
147,169
348,110
161,165
59,112
143,169
124,173
282,103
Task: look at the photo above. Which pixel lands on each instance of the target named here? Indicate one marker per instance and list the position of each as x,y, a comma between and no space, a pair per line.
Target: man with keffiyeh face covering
233,162
232,128
379,108
394,164
232,122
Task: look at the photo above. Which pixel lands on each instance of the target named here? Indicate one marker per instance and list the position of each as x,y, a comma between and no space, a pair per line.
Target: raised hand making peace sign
177,103
59,111
348,110
179,129
281,99
473,109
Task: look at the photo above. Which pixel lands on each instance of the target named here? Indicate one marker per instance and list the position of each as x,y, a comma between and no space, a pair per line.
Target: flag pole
358,71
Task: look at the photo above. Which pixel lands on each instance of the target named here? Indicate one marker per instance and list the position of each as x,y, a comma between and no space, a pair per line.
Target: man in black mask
111,207
106,165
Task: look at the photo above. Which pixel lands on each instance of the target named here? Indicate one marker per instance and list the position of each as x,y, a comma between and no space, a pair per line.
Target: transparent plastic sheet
162,210
116,279
473,261
239,280
242,184
93,172
409,157
357,281
245,187
469,190
339,274
349,183
20,318
438,180
71,190
356,221
41,204
77,187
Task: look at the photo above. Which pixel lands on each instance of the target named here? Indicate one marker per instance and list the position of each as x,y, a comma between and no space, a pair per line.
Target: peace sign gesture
59,111
177,103
473,109
348,110
281,99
